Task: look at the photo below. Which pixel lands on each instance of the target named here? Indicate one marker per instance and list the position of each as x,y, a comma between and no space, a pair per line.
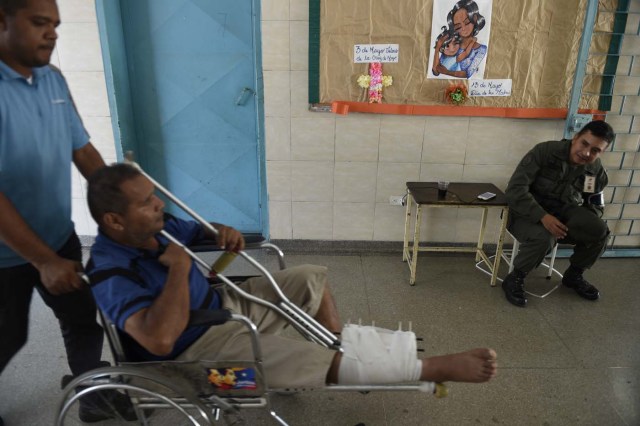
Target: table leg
416,245
483,226
407,227
503,229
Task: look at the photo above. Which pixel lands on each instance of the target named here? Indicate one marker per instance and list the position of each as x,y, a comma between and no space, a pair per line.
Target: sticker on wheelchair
198,377
232,378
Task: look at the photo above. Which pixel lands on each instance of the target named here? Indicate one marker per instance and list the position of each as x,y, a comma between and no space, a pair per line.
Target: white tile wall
489,141
299,91
79,57
77,11
280,219
401,138
353,221
312,181
313,139
279,180
433,172
392,179
80,50
312,220
276,53
277,94
357,138
388,222
355,182
89,91
278,138
275,10
299,42
445,140
299,10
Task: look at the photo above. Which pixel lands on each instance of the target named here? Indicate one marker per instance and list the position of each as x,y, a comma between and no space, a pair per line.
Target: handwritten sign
366,53
490,87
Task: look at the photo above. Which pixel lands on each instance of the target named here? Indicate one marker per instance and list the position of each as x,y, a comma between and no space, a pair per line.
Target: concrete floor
562,360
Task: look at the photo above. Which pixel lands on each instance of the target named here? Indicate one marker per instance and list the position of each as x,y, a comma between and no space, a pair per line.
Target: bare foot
475,366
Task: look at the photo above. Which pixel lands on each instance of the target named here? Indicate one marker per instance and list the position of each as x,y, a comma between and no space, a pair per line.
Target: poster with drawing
460,38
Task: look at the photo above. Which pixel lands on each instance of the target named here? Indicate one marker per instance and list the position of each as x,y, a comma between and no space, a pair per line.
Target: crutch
300,320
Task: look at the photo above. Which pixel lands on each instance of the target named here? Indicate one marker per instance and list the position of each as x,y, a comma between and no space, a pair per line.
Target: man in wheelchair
147,286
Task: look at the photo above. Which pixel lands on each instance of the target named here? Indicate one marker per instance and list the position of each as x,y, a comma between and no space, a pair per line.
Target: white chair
509,256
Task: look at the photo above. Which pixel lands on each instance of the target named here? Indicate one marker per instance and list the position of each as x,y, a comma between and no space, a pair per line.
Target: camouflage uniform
544,182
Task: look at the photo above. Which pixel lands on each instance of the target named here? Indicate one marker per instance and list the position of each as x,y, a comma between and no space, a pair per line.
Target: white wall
79,57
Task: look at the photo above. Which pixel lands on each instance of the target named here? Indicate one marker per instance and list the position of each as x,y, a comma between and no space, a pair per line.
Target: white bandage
375,355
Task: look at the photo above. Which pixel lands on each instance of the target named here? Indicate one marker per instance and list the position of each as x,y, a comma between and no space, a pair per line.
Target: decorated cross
375,55
375,81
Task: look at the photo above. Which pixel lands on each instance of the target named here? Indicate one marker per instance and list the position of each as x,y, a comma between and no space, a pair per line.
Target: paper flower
456,94
363,81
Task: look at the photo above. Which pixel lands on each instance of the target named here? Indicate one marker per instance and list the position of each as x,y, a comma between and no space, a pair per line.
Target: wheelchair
203,392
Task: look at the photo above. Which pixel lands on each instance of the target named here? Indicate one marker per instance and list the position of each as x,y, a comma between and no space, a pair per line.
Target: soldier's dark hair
10,7
599,129
104,194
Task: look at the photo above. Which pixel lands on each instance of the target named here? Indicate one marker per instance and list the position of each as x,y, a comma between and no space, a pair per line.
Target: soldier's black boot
513,286
572,278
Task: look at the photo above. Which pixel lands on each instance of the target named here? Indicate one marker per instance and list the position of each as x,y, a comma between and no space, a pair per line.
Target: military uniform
544,182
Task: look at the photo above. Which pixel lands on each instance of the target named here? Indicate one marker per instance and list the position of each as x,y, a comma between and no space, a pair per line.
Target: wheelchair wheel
126,395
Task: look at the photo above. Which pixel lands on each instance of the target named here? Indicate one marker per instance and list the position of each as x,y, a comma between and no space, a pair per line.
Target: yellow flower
363,81
387,80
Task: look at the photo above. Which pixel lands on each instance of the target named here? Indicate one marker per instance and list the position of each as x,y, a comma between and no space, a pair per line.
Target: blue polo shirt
39,130
121,296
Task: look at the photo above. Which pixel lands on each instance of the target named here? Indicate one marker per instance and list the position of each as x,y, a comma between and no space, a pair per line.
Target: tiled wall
79,57
329,176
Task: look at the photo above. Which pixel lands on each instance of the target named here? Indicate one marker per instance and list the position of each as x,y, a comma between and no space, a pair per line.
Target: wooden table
460,195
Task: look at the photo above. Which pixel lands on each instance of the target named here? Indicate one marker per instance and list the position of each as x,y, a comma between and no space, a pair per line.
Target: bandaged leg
375,355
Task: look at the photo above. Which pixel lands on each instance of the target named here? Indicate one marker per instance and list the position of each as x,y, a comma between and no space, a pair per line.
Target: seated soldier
156,285
556,195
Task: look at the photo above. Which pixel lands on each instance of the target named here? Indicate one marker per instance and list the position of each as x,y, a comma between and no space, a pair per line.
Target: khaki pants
288,362
587,232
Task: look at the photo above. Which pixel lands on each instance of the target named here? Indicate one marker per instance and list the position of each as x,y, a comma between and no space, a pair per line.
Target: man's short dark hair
104,194
599,129
10,7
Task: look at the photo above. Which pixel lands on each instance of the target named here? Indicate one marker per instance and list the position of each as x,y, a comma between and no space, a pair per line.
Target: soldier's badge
589,184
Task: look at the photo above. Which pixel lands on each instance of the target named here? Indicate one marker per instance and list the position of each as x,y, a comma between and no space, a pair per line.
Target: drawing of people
464,20
448,44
